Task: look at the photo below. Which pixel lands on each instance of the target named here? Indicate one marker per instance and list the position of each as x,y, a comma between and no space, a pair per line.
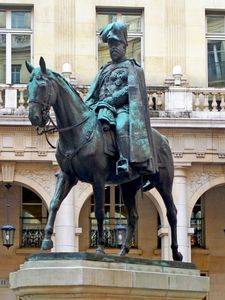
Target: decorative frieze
43,176
19,153
199,177
221,155
200,154
178,154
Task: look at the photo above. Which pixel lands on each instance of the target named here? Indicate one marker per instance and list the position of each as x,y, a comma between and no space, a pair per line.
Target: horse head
42,93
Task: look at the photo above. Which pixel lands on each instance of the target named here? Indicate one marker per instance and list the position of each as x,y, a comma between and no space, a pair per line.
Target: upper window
216,50
133,20
15,45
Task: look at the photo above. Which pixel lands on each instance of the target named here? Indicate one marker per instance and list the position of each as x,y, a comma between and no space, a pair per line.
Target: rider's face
117,50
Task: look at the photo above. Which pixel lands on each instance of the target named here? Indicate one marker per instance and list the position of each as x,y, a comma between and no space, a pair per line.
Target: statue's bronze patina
116,106
119,96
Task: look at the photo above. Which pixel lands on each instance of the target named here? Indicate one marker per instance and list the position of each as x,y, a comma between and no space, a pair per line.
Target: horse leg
164,187
63,186
129,192
99,196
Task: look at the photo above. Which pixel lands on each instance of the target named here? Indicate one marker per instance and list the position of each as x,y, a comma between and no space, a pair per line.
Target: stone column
180,199
65,226
163,233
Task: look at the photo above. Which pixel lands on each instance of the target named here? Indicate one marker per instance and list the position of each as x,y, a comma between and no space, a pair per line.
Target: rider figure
118,96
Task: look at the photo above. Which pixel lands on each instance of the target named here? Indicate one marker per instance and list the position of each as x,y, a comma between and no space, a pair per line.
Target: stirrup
122,166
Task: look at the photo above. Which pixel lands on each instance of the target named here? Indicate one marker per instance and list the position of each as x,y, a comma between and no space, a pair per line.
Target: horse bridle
50,126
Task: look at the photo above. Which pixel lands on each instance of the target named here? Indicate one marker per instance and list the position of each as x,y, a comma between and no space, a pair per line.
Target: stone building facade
181,46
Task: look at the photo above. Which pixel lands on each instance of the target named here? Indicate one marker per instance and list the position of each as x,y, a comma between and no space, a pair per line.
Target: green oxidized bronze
105,140
119,96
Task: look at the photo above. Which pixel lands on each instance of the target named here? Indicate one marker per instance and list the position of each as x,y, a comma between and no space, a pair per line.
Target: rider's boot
122,165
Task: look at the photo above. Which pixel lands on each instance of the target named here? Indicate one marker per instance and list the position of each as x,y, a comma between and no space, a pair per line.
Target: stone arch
84,191
34,186
204,188
159,204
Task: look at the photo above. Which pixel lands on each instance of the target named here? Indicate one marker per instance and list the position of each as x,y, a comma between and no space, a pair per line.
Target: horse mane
65,84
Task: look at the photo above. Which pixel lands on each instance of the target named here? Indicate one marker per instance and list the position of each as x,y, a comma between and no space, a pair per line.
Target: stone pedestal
88,276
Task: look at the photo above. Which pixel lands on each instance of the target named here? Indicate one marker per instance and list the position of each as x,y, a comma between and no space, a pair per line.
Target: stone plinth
88,276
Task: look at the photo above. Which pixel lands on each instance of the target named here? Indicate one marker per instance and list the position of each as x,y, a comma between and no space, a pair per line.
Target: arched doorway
145,241
27,213
208,241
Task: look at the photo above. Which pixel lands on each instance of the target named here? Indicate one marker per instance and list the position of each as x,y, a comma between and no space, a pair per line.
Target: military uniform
118,95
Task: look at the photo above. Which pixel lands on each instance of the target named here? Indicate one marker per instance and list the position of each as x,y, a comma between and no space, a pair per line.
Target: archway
26,213
153,206
204,188
208,219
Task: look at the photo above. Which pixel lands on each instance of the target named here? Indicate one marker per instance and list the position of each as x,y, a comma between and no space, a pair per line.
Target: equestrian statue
106,139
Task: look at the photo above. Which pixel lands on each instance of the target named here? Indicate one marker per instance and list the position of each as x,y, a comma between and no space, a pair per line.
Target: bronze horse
81,156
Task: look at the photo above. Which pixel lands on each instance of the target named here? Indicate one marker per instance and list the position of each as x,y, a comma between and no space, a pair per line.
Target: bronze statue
119,96
86,137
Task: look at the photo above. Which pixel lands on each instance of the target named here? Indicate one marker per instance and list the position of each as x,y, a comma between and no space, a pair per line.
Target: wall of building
174,33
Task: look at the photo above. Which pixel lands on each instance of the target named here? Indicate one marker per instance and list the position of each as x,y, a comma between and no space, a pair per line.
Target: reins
50,122
56,129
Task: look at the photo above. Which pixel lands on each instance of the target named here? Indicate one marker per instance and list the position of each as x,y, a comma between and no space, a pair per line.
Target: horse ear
42,65
29,66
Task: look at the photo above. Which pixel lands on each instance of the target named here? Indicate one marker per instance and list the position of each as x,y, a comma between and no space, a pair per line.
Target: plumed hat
114,31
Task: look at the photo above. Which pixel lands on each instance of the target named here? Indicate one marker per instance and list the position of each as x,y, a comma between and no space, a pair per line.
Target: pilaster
180,199
175,33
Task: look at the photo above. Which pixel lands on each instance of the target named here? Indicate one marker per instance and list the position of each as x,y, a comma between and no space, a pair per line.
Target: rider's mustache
117,51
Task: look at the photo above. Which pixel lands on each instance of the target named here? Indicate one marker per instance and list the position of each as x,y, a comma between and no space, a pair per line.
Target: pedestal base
88,276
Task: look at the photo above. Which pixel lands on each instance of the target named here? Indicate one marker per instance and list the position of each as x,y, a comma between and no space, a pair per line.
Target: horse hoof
123,251
177,256
100,251
47,244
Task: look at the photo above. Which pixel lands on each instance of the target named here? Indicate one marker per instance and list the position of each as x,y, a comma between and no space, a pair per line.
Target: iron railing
197,239
114,233
32,233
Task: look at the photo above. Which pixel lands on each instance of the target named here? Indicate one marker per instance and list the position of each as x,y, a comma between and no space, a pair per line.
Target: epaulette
134,62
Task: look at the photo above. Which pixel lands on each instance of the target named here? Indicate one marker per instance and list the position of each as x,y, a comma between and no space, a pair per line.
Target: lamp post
120,229
120,234
7,230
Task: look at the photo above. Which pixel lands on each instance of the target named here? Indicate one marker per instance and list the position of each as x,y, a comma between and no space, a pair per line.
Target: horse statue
81,156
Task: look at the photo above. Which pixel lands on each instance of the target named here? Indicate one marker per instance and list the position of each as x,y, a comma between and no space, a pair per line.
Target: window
33,218
216,50
133,20
197,222
115,222
15,45
16,73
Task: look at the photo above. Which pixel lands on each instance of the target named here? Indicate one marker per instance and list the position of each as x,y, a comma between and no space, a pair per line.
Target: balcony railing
197,239
114,233
32,233
197,102
208,99
13,99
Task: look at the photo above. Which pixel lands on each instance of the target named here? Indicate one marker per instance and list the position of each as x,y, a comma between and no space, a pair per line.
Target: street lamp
120,229
7,230
120,234
8,235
